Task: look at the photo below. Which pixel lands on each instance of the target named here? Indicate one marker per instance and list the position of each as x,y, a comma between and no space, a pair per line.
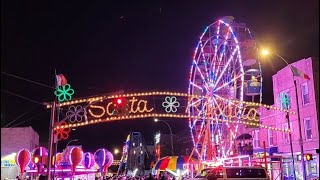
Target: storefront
9,169
311,166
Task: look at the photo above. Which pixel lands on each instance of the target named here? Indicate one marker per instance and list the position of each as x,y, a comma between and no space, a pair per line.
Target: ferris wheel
223,66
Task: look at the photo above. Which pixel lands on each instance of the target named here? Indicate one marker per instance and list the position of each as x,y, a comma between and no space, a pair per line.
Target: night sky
133,46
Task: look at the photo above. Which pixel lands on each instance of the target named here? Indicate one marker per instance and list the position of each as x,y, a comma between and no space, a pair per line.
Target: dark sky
132,45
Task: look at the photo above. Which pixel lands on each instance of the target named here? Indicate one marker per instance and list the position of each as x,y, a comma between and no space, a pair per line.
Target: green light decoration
170,104
64,93
284,100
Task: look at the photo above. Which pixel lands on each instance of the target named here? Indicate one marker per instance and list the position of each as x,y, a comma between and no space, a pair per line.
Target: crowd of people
162,176
246,149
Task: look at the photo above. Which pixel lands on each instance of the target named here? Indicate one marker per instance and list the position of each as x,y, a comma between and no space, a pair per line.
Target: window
307,127
270,137
284,100
256,140
285,135
305,93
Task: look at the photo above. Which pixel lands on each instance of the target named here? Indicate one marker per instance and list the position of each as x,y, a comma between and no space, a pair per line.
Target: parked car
234,173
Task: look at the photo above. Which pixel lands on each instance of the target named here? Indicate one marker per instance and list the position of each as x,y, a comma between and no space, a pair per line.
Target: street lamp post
156,120
265,52
73,140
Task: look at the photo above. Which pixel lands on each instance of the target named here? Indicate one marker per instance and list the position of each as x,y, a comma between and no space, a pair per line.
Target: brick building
278,143
13,140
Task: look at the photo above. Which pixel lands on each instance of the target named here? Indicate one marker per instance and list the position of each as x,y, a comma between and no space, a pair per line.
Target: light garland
158,93
96,121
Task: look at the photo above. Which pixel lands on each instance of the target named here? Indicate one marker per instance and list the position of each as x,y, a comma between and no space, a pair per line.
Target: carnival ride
223,98
224,66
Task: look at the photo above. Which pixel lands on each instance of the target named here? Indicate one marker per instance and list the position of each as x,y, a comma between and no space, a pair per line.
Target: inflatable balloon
39,154
23,158
109,159
100,157
88,161
39,157
76,156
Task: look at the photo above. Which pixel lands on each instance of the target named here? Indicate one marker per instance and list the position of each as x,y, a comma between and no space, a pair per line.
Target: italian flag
297,72
61,80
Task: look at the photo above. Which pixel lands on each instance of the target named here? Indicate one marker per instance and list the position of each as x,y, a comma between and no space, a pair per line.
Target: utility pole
300,134
290,139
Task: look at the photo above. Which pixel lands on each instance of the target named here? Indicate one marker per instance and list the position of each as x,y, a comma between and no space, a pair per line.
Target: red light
119,101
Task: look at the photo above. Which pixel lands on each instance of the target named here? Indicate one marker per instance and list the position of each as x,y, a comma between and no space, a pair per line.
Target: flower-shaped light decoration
76,114
170,104
62,133
64,93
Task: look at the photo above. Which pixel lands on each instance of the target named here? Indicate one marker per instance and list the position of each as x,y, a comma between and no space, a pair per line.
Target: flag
61,80
297,72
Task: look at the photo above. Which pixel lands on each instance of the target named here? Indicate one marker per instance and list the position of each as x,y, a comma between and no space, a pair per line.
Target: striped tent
173,163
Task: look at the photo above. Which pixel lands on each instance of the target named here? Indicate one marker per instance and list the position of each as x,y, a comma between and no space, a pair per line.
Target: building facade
278,143
12,141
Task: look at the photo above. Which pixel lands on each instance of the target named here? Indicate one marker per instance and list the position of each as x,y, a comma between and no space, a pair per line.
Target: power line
22,97
41,84
27,119
16,119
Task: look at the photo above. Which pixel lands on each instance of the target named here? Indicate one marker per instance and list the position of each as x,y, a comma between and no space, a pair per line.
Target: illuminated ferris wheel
220,66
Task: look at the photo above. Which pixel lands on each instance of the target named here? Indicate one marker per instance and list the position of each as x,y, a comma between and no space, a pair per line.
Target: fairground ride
224,66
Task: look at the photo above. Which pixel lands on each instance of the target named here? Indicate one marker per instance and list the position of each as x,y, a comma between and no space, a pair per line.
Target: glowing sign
170,104
64,93
8,160
135,106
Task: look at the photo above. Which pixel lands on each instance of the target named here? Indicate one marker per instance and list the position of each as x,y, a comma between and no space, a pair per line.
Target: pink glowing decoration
76,156
109,159
23,158
88,161
39,157
101,158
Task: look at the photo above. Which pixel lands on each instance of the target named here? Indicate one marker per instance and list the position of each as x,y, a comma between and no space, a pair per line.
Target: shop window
305,93
307,127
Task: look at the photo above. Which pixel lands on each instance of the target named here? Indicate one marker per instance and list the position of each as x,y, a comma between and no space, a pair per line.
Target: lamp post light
265,52
116,151
156,120
73,140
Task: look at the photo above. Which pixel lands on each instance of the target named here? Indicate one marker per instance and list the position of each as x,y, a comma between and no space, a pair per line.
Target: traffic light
309,157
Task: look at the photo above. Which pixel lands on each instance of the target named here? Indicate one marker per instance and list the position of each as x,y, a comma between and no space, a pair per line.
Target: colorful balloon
109,159
76,156
23,158
88,161
39,155
100,157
